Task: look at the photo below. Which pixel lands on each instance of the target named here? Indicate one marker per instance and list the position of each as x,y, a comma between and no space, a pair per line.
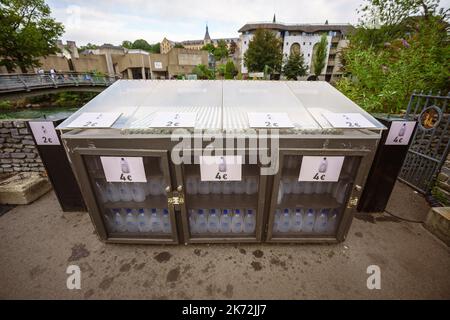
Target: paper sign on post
269,120
221,168
321,168
400,132
348,120
124,169
95,120
44,132
174,120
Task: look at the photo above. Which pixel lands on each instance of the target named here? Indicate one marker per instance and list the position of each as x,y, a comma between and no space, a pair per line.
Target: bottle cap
200,211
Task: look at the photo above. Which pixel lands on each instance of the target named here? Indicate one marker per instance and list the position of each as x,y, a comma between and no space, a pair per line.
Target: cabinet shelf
315,201
200,201
149,202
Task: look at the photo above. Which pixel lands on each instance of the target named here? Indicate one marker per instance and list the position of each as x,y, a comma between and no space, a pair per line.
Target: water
191,185
297,220
203,187
155,220
216,188
112,192
155,186
138,191
118,220
276,220
213,221
249,221
143,221
201,221
332,221
109,221
227,187
166,225
192,222
237,221
309,188
131,220
285,221
251,185
225,221
299,187
320,226
309,218
239,187
125,192
287,185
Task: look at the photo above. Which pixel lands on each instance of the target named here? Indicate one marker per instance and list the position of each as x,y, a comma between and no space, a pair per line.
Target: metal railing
28,82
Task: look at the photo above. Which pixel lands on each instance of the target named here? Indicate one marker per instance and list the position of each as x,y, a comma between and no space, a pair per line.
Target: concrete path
38,242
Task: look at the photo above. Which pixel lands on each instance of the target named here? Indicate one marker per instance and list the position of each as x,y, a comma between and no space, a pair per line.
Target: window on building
304,43
310,43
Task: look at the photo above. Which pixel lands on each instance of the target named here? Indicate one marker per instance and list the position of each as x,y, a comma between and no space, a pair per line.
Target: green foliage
264,50
179,45
221,51
27,32
142,45
382,71
89,46
294,66
221,70
230,70
5,104
127,44
440,196
203,72
320,54
209,47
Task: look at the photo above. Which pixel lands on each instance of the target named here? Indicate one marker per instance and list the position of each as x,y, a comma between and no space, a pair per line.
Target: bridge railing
28,82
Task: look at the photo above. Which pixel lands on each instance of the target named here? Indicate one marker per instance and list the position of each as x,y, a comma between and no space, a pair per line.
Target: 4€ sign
321,168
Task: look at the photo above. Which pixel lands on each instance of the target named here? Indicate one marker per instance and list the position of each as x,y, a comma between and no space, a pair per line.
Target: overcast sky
111,21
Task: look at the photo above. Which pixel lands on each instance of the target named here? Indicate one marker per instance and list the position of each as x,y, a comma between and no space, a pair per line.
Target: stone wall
18,152
442,186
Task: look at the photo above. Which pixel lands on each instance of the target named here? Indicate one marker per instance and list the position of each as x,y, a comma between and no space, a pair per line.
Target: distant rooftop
304,27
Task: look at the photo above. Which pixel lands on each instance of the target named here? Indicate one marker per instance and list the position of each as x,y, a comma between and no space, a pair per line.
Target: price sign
44,133
221,168
124,169
269,120
95,120
348,120
400,132
174,120
320,168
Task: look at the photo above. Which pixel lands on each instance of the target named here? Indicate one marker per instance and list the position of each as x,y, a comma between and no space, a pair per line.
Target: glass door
221,210
310,205
131,196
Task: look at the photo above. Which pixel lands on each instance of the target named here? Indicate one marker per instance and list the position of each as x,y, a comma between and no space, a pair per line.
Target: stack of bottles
299,220
141,220
195,186
131,191
290,185
202,221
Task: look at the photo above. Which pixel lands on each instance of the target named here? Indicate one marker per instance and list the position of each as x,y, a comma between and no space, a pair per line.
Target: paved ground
38,242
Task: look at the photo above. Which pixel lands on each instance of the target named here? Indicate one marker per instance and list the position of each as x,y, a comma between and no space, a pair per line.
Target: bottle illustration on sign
222,165
323,165
124,166
402,131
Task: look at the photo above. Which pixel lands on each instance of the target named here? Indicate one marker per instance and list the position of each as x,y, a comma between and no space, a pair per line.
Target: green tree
203,72
230,70
142,44
294,66
88,46
127,44
209,47
320,54
264,50
221,51
413,56
27,32
156,48
178,45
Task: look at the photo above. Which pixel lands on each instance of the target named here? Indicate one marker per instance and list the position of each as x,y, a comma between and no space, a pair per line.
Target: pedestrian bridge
26,85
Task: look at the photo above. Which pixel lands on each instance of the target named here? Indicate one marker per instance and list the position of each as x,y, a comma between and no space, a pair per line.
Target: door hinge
353,202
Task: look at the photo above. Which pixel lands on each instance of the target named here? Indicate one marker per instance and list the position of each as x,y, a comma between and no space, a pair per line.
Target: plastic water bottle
297,220
332,221
138,191
250,221
201,221
203,187
280,193
287,185
112,192
155,186
237,221
191,185
299,187
155,220
309,187
213,221
109,221
216,188
238,187
251,185
166,225
103,196
225,221
285,221
131,220
320,226
192,221
276,220
125,192
118,220
227,187
143,221
308,221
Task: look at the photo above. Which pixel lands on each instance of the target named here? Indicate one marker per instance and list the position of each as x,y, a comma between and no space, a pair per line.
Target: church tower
207,38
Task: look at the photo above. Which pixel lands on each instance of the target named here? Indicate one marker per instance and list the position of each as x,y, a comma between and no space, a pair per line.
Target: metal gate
430,145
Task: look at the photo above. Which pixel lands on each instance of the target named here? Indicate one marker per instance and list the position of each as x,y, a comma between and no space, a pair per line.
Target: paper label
400,132
269,120
348,120
95,120
320,168
124,169
221,168
174,120
44,132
